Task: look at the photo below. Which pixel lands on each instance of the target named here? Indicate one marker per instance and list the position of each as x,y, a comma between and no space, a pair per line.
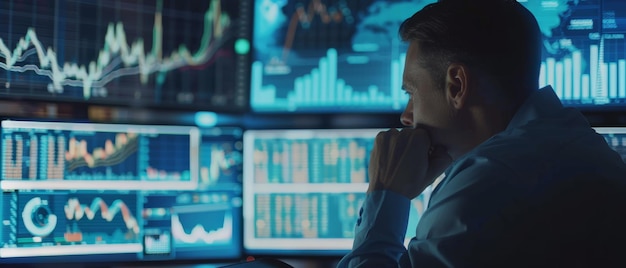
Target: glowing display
584,56
345,56
303,189
90,220
114,192
312,55
125,52
84,155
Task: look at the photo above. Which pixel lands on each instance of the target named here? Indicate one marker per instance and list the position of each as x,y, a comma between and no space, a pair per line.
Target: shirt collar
542,102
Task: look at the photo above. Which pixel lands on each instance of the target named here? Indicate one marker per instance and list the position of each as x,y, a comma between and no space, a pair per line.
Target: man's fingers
411,155
376,163
416,142
400,160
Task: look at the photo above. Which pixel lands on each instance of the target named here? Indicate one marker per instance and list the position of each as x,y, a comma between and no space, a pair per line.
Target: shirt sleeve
380,231
465,214
467,217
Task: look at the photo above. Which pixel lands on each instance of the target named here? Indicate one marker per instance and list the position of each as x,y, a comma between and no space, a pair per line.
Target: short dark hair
501,37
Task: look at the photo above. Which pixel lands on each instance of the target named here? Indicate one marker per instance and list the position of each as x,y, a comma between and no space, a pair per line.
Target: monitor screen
615,137
113,192
346,56
166,53
303,190
584,54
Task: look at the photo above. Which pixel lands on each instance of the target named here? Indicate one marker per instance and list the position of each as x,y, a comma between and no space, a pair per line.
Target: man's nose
407,116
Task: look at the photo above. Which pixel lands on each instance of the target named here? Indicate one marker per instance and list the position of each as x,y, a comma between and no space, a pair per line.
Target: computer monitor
88,192
303,190
584,57
164,53
615,137
331,56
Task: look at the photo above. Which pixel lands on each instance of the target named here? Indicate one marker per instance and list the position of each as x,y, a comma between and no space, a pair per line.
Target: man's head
467,59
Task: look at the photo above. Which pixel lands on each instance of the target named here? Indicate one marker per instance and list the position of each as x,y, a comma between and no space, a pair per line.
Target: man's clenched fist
405,162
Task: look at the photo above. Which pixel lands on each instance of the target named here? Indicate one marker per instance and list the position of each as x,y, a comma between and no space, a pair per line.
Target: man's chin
428,129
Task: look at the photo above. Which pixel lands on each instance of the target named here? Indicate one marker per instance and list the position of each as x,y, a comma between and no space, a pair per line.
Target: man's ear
457,85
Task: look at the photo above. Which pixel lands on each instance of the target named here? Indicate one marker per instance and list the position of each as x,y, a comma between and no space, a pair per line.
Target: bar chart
329,55
605,83
322,88
584,56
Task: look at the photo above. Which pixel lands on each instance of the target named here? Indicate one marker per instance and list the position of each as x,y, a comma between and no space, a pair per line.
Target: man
522,172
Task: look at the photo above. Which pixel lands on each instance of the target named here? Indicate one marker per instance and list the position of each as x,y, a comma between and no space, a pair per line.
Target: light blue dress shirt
543,143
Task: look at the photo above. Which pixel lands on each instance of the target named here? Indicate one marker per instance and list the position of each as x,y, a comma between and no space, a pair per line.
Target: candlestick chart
177,54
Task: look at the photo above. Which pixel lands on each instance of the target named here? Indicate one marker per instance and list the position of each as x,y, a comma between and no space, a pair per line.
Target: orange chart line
315,7
111,153
75,210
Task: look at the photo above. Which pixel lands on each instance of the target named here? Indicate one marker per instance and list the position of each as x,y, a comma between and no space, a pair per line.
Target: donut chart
38,218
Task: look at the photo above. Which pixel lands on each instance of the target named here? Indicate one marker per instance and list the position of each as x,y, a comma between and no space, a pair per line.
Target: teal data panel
303,190
328,56
584,54
76,155
315,55
91,192
165,53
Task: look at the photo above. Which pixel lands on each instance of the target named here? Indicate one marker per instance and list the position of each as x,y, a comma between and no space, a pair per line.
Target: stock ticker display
303,189
337,55
165,53
107,192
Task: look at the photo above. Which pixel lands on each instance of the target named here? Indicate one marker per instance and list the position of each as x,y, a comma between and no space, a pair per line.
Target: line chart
219,163
75,210
111,154
200,234
36,151
157,61
304,16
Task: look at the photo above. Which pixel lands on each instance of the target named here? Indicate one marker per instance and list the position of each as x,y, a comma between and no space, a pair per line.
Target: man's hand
405,162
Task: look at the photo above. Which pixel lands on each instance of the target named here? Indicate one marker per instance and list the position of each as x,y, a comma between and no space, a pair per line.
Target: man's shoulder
531,153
